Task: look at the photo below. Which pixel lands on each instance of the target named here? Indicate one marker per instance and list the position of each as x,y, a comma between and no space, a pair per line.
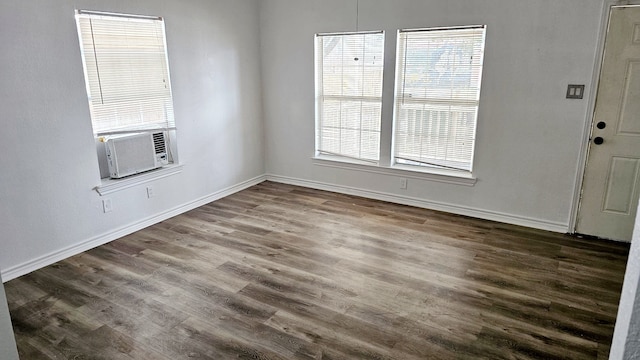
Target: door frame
591,106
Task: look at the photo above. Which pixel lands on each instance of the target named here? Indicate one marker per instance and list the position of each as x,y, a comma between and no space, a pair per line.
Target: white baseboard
432,205
53,257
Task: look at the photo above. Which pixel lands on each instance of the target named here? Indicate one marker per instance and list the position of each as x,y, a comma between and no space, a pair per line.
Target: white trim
426,204
118,15
58,255
366,32
109,186
411,172
463,27
327,158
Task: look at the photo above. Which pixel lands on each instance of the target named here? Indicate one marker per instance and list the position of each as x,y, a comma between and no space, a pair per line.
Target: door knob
598,140
601,125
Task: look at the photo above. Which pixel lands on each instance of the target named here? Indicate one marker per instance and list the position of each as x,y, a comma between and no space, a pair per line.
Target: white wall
626,336
8,350
529,136
632,345
48,162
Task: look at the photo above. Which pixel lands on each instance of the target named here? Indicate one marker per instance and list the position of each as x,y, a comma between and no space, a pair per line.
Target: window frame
444,165
387,164
320,97
167,125
107,76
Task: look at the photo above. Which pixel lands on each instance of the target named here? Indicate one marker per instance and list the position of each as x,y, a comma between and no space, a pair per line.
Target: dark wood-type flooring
284,272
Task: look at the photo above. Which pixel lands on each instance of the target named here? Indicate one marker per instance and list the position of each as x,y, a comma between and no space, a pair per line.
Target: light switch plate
575,91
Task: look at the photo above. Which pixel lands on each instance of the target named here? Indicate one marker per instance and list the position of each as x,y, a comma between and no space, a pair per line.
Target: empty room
319,179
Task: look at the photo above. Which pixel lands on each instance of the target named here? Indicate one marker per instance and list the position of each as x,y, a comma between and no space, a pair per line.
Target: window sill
109,186
411,172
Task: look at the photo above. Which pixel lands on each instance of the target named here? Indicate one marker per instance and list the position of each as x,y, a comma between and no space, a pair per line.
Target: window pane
349,94
438,90
126,72
371,114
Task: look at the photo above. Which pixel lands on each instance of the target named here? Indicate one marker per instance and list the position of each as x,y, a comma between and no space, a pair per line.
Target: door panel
611,180
620,191
629,124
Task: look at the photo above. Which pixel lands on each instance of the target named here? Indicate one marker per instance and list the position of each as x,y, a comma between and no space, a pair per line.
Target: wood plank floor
284,272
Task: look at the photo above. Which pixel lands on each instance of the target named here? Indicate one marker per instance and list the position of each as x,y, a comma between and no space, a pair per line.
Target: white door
611,180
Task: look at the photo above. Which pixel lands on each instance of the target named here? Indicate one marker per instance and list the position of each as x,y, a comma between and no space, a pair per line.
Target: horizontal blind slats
438,90
350,94
126,71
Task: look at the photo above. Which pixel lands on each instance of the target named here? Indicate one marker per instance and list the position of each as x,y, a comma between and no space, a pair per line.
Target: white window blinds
349,94
437,93
126,72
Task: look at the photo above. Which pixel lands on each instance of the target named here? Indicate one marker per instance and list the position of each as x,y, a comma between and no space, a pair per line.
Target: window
126,72
437,94
349,94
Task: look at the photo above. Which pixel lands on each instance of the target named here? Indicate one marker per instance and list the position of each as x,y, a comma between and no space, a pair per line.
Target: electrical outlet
403,183
150,192
106,205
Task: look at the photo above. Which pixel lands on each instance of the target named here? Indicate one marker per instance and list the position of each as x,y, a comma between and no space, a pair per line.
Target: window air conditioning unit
136,153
